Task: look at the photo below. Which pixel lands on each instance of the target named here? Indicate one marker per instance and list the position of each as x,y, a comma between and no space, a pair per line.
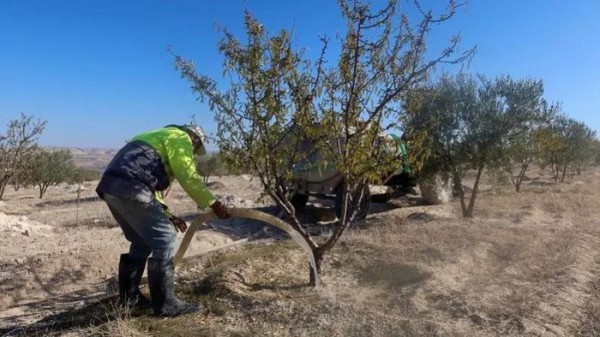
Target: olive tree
209,165
523,147
49,168
21,179
16,147
464,123
551,144
580,145
276,99
565,144
596,150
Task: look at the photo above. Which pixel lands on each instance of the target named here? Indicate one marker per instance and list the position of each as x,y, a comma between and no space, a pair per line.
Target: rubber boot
130,276
160,279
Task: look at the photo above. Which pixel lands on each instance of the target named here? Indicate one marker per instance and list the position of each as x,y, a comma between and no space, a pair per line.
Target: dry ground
527,264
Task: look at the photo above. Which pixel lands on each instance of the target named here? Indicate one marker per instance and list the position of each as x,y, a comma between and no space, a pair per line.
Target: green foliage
596,150
580,145
551,144
210,165
21,177
565,143
50,168
17,147
466,123
522,147
266,91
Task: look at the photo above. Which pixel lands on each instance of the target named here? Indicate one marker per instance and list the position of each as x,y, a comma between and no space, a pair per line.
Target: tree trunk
461,193
469,213
345,220
3,184
564,172
43,189
555,172
520,177
279,196
318,261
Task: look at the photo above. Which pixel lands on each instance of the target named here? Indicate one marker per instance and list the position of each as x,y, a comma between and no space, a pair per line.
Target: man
131,187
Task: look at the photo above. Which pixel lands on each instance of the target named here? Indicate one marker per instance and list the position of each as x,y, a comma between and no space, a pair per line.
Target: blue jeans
145,225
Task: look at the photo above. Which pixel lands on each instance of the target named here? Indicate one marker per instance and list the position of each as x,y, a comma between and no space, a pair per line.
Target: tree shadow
54,203
274,287
28,277
421,216
398,201
100,311
26,273
239,228
317,218
392,275
541,183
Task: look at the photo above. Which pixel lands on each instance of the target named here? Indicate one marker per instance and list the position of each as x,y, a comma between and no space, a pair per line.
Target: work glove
220,210
179,223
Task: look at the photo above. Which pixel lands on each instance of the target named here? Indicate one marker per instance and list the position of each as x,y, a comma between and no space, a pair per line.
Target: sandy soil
526,264
59,254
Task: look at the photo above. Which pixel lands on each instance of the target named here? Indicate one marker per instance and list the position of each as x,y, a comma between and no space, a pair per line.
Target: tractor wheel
299,201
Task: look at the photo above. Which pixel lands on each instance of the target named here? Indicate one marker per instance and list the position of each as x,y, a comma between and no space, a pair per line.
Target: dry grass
527,264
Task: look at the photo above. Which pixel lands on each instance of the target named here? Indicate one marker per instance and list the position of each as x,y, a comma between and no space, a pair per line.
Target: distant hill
95,159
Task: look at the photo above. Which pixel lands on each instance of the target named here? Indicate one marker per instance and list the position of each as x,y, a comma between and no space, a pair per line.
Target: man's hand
179,223
220,210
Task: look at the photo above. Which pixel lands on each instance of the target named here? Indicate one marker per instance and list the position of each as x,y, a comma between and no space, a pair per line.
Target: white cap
199,135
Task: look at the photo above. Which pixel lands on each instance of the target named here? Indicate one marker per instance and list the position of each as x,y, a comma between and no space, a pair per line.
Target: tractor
316,176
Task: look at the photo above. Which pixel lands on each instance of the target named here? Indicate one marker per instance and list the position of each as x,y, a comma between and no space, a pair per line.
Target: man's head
198,138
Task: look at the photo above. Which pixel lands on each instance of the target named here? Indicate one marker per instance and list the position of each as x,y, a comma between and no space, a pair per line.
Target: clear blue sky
99,72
